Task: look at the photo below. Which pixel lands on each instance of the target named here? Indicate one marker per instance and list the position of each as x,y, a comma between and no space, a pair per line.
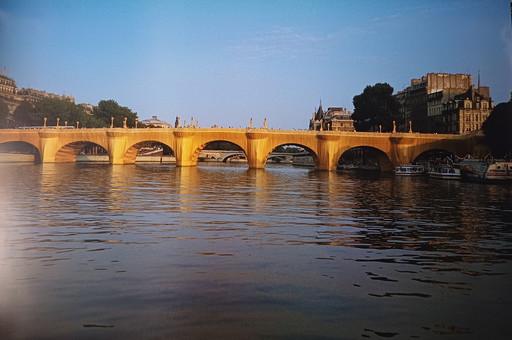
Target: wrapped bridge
326,147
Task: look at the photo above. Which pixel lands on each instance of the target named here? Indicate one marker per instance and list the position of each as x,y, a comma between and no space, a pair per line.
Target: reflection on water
222,252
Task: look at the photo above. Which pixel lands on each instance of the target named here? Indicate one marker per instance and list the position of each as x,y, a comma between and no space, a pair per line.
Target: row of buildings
434,103
445,103
12,97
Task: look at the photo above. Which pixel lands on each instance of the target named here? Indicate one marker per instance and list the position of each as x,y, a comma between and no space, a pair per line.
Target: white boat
499,170
444,171
487,170
410,170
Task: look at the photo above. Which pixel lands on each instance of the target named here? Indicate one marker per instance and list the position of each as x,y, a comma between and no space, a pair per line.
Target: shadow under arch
364,157
151,147
69,152
299,154
19,151
434,154
219,150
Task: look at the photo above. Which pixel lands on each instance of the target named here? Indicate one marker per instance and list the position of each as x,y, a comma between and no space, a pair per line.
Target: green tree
4,115
110,108
498,130
25,115
53,108
90,121
375,106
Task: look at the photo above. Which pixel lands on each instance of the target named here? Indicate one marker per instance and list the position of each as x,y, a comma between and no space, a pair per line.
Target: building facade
443,103
9,94
464,113
11,97
334,119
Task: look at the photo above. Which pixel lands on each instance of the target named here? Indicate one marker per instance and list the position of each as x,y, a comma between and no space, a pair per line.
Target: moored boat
499,170
445,171
486,170
410,170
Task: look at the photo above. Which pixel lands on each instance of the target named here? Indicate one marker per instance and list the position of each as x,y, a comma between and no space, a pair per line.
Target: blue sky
223,62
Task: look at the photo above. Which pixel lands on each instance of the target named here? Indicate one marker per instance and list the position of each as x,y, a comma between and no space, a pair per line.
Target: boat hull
445,172
445,176
410,170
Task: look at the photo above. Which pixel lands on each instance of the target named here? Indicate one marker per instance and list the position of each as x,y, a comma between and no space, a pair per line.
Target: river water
94,251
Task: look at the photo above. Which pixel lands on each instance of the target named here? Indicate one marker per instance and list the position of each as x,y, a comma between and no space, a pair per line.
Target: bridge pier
117,141
184,149
49,145
327,151
257,148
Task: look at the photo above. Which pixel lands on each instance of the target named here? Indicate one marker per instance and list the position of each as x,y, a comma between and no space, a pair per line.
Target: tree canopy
498,130
28,114
107,109
53,108
25,115
375,106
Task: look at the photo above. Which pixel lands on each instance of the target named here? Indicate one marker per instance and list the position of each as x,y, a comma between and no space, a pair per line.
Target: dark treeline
498,130
67,113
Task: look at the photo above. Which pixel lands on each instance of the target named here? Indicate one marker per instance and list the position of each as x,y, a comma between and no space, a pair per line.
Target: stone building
433,102
465,113
9,94
12,97
334,119
33,96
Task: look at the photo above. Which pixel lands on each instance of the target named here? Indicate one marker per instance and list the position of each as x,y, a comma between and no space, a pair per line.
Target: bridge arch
132,151
365,156
435,153
68,152
307,152
15,149
222,143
